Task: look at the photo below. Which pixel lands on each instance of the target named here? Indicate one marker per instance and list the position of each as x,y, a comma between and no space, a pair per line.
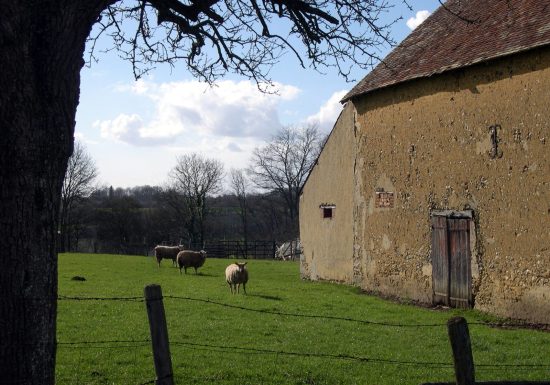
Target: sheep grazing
167,252
235,274
189,258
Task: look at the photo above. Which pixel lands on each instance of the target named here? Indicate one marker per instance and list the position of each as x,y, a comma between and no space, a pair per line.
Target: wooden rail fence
238,249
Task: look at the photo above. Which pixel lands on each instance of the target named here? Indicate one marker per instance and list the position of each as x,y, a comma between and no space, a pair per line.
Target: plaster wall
328,243
429,142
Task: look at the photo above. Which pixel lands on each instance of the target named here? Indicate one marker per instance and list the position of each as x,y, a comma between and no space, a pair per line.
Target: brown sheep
167,252
189,258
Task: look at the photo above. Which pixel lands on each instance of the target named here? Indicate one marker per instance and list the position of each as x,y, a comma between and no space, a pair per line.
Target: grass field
285,331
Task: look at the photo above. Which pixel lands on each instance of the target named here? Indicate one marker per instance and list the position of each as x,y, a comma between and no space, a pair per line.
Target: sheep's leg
244,287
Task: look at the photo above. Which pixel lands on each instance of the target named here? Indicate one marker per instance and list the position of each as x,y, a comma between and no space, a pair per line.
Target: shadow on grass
201,274
270,297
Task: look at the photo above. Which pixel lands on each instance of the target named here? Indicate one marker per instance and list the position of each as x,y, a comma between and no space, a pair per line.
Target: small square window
327,210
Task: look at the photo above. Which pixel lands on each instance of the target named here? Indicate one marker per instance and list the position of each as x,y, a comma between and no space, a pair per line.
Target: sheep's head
203,253
241,265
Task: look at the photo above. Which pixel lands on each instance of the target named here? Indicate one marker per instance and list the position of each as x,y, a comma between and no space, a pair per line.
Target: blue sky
135,130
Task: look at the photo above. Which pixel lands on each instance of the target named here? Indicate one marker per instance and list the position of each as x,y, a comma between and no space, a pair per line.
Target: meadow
284,331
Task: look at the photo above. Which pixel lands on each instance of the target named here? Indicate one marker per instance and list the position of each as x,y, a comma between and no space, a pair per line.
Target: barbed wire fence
165,376
494,324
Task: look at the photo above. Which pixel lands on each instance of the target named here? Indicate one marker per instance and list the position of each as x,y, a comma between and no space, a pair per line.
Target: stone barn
434,184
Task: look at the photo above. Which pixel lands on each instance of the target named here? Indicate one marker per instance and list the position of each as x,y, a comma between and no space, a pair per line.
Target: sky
135,130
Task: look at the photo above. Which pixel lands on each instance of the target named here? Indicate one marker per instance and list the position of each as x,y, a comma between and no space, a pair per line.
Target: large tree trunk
41,49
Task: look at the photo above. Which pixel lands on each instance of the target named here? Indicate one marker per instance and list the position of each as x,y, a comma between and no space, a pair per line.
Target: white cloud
127,129
81,137
328,113
119,127
229,109
414,22
233,147
141,87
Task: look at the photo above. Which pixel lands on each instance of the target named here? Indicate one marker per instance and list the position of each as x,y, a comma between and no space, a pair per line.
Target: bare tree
42,45
240,189
283,164
78,183
196,177
213,37
119,223
176,213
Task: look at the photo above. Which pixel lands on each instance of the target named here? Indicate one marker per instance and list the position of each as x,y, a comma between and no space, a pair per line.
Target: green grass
212,343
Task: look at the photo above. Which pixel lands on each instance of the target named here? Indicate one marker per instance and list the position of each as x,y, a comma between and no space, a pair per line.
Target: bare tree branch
78,184
213,37
284,163
239,185
196,178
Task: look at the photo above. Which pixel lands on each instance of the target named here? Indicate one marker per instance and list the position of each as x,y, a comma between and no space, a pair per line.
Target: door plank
440,261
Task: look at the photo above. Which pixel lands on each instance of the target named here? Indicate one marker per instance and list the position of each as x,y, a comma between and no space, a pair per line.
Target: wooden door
440,261
451,270
459,253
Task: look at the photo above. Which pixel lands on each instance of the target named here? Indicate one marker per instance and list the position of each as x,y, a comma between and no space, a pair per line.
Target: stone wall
328,242
472,139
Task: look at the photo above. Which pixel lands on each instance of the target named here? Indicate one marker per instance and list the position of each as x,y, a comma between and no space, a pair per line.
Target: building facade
451,174
327,202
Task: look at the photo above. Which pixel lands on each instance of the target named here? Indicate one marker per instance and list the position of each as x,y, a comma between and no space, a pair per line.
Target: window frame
327,210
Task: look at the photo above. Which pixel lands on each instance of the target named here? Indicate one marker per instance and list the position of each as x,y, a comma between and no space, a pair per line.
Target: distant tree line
132,220
260,204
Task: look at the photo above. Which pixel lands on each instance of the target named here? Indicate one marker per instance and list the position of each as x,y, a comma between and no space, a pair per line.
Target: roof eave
351,95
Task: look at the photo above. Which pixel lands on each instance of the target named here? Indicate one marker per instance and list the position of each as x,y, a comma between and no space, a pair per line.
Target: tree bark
41,54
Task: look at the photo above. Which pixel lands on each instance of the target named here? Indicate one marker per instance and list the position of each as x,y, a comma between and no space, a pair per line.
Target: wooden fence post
159,335
462,351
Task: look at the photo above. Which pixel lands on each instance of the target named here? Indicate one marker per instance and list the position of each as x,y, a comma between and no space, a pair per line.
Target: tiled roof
462,33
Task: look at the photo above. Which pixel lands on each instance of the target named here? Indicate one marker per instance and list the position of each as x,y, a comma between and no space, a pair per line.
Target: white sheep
235,274
167,252
189,258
